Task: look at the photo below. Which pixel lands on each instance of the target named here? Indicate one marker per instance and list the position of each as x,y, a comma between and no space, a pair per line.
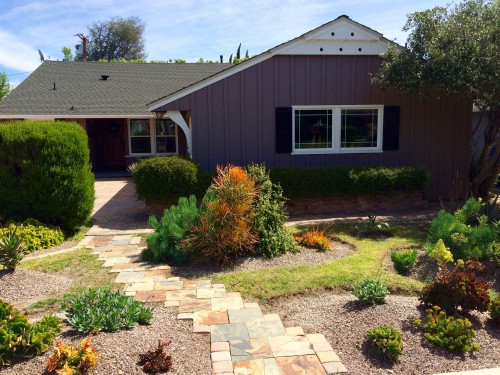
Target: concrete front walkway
243,339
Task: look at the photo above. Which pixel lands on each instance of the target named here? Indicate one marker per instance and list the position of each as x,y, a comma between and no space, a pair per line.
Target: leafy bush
71,360
156,360
164,245
19,339
331,181
45,173
441,254
11,248
270,215
37,236
404,260
385,342
225,223
467,233
447,332
167,178
458,287
315,239
494,310
104,310
370,292
372,228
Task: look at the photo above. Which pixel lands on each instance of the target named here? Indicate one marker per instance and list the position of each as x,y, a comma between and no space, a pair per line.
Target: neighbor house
308,102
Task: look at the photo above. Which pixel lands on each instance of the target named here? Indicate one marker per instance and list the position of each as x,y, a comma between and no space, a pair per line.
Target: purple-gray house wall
233,120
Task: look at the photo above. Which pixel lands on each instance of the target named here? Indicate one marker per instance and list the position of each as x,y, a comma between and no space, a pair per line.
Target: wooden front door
107,139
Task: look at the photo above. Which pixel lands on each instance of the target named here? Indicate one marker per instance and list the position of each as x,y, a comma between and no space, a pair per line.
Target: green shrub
494,310
45,173
332,181
19,339
37,236
458,287
167,178
104,310
164,245
270,215
370,292
11,248
447,332
404,260
385,342
466,233
372,228
156,361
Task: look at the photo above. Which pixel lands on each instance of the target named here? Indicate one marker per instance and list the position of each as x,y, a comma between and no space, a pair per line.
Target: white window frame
337,130
176,140
152,139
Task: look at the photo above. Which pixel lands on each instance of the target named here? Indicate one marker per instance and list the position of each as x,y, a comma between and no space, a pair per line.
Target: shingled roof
77,89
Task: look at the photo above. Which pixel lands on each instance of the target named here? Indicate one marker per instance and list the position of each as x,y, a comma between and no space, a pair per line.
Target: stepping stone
329,356
169,285
319,343
220,356
222,367
156,272
178,295
251,349
137,287
203,284
222,346
286,346
189,284
294,331
150,296
210,318
205,293
229,332
244,316
262,328
300,365
263,366
192,305
129,277
334,368
227,303
135,241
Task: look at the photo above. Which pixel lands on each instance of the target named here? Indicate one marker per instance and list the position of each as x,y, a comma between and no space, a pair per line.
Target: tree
68,56
116,39
455,50
5,88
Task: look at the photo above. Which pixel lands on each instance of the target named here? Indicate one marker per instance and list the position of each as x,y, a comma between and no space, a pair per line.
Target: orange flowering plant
68,360
315,238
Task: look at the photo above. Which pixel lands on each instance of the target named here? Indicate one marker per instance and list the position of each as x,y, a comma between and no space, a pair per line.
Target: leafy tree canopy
5,88
116,39
68,56
455,50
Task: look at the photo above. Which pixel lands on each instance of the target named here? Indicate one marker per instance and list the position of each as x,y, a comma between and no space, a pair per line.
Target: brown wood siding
233,119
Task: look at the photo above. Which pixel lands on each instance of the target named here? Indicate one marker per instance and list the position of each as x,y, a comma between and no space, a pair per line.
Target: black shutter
284,130
391,128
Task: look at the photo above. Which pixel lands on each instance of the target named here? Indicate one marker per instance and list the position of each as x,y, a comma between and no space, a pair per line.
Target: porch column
176,117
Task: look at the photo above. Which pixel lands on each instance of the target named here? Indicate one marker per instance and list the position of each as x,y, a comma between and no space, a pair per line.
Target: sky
186,29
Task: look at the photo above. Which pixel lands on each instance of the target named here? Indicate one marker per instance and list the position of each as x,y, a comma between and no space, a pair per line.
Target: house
308,102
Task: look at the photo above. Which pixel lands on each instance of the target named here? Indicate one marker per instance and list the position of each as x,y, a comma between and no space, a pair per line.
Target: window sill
328,152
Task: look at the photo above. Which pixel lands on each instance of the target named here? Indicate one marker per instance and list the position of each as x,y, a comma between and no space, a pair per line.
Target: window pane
359,128
140,145
313,129
165,127
166,145
139,128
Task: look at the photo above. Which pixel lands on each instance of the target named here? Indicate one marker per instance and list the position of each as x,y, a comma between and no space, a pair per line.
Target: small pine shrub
372,228
370,292
447,332
20,339
270,215
385,343
37,236
224,229
494,310
165,244
156,360
104,310
441,254
45,173
457,288
315,239
12,248
404,260
71,360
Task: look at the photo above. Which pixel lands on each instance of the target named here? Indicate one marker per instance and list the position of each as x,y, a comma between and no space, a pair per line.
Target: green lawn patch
339,273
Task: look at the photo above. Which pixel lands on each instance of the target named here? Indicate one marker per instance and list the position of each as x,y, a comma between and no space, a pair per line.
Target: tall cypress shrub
45,173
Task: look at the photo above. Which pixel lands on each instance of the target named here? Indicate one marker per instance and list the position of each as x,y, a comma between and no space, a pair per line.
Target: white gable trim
82,116
319,41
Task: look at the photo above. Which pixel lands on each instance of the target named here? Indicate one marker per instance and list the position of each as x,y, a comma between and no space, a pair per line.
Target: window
140,137
166,137
337,129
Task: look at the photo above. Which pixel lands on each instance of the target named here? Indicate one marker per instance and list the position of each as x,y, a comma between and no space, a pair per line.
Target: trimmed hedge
332,181
167,178
45,173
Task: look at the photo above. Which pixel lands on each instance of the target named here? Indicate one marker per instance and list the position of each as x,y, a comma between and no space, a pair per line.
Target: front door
107,139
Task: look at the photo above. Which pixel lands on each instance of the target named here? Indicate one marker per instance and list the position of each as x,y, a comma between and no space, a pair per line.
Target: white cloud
17,55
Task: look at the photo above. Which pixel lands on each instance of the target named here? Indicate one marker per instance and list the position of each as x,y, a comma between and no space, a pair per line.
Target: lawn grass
338,273
82,267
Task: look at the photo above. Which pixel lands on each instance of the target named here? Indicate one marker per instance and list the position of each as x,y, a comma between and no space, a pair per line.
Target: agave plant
373,228
11,248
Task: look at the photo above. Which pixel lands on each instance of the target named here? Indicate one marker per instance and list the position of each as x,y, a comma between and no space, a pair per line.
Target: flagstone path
243,339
